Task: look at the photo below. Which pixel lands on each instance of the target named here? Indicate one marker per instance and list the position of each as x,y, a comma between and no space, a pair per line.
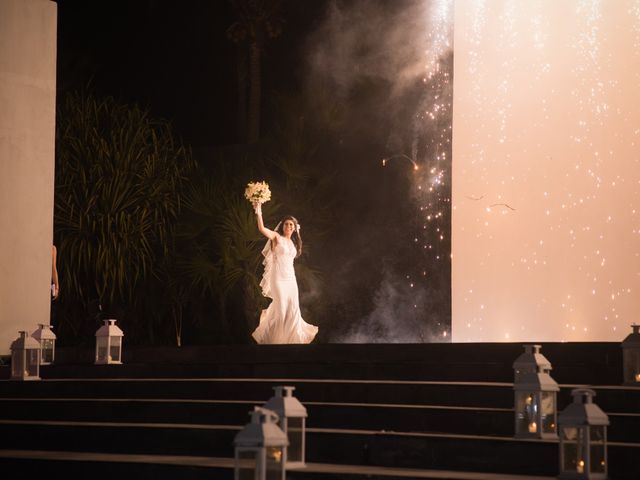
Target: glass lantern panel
114,351
246,465
548,412
296,438
631,362
102,348
275,466
597,449
33,362
47,350
17,364
526,412
572,450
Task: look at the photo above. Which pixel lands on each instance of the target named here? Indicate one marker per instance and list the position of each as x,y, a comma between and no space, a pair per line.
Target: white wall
27,131
546,170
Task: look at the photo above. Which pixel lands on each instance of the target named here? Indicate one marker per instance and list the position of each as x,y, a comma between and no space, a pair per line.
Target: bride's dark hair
295,236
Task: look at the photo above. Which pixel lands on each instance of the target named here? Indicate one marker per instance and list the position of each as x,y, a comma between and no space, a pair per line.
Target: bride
281,322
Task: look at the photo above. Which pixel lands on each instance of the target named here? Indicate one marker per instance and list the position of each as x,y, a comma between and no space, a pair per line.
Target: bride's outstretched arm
270,234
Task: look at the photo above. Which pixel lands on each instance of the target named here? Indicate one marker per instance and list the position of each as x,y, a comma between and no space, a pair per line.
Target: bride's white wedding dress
281,322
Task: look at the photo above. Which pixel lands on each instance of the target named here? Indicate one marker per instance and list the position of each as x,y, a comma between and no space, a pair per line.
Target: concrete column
27,149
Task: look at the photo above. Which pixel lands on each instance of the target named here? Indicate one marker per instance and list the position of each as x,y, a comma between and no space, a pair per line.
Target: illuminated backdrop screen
546,170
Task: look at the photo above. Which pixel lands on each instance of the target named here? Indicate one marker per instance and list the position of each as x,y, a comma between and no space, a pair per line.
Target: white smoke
372,39
397,317
396,45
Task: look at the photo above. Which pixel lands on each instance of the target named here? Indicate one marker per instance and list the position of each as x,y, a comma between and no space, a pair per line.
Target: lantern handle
532,348
263,415
583,395
284,390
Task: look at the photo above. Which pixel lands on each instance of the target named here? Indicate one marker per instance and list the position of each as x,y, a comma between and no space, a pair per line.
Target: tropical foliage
218,255
168,246
119,177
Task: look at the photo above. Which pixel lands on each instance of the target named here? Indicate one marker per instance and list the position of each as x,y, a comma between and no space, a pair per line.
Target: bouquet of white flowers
257,192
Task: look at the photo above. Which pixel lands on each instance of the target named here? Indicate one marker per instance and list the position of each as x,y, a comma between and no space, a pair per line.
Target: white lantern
292,422
535,402
25,358
260,448
109,343
47,340
631,357
583,438
531,361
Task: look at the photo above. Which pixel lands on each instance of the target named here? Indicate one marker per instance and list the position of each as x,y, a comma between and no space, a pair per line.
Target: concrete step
340,446
101,466
326,390
611,398
403,408
385,417
367,416
573,362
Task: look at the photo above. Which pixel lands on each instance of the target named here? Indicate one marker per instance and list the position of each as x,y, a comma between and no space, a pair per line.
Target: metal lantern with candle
631,357
25,358
292,421
530,362
260,448
47,340
535,396
583,438
109,343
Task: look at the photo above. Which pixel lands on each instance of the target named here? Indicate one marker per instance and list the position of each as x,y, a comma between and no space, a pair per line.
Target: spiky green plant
119,178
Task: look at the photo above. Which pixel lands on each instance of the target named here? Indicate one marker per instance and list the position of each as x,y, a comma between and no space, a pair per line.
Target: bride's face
288,227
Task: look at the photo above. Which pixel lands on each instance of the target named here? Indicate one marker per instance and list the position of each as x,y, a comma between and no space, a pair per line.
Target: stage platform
375,411
597,363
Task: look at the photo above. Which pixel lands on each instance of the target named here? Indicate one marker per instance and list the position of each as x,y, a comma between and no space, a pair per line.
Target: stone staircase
375,411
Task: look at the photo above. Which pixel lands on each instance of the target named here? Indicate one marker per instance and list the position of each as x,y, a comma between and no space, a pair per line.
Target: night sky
386,271
173,57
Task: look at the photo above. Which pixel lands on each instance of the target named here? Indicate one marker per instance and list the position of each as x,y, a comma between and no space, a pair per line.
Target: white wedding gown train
282,321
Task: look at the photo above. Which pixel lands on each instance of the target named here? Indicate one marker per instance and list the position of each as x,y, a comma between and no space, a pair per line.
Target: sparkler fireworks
430,157
545,172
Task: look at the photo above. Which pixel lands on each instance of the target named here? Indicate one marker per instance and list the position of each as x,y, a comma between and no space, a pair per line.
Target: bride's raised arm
270,234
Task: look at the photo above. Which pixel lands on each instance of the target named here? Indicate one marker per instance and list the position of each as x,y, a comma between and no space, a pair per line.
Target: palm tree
257,21
219,258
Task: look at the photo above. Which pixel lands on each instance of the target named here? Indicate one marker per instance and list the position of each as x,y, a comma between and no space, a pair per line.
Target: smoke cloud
378,57
371,39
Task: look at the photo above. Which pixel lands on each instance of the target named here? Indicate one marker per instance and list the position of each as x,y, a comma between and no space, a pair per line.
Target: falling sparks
547,181
400,155
431,153
433,128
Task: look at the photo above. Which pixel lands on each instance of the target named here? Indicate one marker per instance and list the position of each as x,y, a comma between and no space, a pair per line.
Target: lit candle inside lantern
637,377
275,454
580,467
533,428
